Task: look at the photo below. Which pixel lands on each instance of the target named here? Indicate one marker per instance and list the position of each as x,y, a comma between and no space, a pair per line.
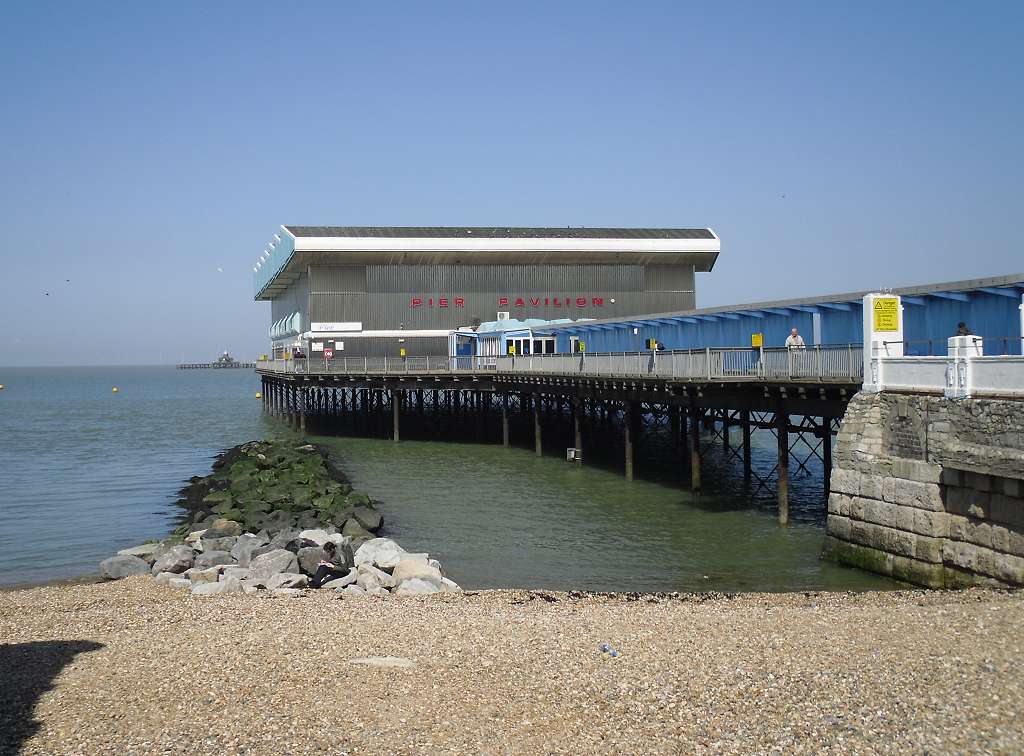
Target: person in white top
795,340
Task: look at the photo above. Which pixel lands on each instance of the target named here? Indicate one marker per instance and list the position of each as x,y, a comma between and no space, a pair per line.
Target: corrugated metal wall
381,296
293,299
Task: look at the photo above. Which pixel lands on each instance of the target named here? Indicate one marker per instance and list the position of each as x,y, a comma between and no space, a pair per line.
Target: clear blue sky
145,145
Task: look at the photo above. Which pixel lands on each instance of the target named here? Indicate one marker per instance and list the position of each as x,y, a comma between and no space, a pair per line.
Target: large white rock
414,568
339,583
287,580
165,578
201,575
179,582
123,565
418,586
244,546
272,563
317,535
195,539
450,586
231,585
147,552
242,573
177,559
369,577
380,552
353,589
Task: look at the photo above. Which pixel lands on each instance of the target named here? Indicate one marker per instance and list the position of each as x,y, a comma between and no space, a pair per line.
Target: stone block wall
930,490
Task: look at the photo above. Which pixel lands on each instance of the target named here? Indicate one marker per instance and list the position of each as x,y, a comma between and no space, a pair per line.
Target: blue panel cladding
841,327
928,321
994,317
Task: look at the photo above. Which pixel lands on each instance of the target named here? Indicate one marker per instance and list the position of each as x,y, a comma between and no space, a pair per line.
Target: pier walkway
834,364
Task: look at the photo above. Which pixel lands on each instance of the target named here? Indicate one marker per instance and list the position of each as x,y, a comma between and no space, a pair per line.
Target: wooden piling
577,423
396,404
695,419
745,419
538,448
628,421
504,421
826,453
782,430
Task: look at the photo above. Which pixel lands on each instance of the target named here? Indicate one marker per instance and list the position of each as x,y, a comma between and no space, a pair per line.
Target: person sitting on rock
326,569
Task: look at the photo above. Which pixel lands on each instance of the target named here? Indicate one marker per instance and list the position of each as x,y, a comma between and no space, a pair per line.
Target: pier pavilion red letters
566,301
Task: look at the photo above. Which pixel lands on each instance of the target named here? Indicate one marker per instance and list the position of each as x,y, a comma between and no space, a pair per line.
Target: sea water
85,471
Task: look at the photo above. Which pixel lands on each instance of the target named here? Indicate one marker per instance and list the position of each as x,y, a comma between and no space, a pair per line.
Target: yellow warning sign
757,339
887,314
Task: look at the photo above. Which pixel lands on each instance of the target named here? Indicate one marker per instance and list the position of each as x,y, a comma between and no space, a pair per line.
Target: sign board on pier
328,353
886,313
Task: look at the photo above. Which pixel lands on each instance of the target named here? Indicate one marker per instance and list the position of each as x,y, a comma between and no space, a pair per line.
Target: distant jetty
225,361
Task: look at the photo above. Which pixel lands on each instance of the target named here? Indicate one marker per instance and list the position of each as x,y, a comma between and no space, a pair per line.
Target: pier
929,486
225,361
795,397
214,366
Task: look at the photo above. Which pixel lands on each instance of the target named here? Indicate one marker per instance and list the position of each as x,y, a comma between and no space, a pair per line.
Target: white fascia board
374,334
471,244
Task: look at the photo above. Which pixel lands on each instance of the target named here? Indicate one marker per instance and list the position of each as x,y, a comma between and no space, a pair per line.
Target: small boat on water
224,361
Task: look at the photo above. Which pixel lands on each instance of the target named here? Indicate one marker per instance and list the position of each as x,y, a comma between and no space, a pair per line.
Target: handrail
819,363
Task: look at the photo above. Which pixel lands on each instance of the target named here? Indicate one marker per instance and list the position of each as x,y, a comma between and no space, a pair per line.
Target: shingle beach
135,667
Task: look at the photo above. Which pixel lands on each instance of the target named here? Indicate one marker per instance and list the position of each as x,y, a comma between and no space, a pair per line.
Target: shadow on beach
27,671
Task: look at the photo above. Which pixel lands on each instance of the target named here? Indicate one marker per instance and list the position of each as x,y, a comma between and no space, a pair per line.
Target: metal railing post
707,361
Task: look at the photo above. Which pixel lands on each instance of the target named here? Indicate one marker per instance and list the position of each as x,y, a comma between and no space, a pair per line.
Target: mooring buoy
259,394
114,390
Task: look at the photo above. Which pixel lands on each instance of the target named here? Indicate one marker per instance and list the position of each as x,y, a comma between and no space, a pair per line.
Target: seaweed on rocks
261,520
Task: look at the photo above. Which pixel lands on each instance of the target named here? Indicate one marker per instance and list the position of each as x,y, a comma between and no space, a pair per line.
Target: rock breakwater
266,520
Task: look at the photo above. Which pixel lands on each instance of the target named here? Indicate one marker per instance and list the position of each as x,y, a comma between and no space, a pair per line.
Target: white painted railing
963,373
378,365
818,364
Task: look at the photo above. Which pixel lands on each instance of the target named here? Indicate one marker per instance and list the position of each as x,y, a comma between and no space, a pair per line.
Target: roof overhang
286,259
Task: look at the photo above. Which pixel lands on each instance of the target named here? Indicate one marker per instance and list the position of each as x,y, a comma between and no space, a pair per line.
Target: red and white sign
328,353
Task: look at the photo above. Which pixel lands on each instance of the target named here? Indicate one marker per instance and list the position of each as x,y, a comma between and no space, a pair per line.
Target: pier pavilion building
392,291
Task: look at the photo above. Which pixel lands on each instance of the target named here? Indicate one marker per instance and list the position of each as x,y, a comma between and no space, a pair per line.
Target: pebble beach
136,667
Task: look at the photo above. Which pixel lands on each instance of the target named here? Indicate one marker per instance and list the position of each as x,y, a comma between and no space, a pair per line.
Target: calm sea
85,471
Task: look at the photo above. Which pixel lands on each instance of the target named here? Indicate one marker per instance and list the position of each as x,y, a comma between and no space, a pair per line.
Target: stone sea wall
260,523
930,490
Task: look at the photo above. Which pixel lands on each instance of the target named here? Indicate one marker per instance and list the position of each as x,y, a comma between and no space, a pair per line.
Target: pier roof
497,232
294,248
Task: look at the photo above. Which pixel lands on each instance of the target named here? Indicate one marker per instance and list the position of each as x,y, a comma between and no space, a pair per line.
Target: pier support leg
725,428
577,428
826,453
302,411
673,424
629,424
538,447
505,421
695,417
745,419
782,430
396,404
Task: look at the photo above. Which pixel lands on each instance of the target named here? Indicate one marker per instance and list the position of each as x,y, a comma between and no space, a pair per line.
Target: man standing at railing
795,340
